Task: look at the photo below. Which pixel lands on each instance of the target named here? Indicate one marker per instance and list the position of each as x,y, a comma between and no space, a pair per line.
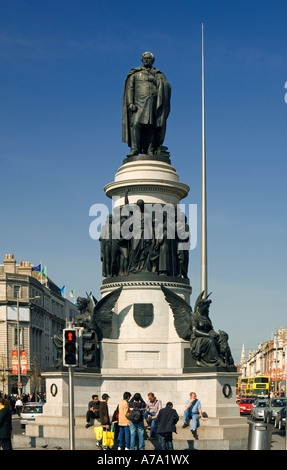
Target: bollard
259,436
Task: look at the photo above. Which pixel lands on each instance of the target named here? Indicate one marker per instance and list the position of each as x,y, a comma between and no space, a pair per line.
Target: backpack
136,416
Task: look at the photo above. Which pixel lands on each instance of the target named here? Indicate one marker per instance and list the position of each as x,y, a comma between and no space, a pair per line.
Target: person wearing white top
18,406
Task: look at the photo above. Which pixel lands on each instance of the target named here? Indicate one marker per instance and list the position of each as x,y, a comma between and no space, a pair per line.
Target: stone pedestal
223,430
144,352
210,388
144,339
152,179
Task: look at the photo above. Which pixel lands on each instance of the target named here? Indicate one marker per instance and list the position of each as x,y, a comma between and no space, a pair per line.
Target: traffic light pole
70,360
71,409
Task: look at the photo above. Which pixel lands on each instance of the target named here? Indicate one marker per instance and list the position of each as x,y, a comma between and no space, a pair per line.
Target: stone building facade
268,359
43,312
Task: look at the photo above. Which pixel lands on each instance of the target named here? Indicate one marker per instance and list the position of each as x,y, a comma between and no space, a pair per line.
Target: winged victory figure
208,348
95,316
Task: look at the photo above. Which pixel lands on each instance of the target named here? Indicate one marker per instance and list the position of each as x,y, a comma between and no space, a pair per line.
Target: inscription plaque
142,356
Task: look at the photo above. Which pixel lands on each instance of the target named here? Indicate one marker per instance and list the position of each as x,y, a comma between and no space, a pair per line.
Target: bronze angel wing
103,313
182,313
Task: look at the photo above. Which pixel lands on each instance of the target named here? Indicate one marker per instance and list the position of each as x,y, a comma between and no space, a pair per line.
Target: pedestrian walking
18,405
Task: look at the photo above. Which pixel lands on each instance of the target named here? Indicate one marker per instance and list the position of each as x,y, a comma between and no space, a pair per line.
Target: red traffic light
70,350
70,335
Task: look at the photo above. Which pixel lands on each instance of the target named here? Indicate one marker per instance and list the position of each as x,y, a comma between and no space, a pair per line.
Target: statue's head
147,58
140,204
82,303
223,335
202,304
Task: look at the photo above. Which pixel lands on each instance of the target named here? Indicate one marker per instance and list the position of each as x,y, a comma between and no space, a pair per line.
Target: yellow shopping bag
108,438
98,432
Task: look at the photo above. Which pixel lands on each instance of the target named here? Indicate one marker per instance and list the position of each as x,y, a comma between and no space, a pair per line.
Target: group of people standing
10,405
17,402
131,412
129,419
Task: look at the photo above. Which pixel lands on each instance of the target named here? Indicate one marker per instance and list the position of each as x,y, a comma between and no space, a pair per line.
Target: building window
16,291
21,334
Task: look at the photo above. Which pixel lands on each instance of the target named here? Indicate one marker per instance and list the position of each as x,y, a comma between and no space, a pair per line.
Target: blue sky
63,66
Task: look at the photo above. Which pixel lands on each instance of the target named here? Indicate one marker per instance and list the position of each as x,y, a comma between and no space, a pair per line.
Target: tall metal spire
203,197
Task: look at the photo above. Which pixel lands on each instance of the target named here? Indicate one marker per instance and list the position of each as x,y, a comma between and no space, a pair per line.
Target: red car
245,405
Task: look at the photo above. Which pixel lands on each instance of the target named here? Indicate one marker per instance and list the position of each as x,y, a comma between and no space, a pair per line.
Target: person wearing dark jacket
5,425
104,416
137,426
167,419
104,411
93,410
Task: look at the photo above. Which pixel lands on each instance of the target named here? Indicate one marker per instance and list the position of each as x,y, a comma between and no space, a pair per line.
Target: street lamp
18,336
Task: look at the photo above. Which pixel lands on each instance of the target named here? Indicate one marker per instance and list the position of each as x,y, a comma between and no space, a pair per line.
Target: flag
41,272
90,293
63,289
37,268
72,294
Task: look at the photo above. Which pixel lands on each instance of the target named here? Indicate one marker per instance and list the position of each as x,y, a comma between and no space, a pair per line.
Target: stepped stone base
224,429
213,434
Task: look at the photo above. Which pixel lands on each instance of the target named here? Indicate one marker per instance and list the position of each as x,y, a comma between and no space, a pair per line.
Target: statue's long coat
162,105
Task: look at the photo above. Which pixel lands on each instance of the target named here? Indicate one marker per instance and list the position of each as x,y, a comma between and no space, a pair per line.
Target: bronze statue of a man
146,106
